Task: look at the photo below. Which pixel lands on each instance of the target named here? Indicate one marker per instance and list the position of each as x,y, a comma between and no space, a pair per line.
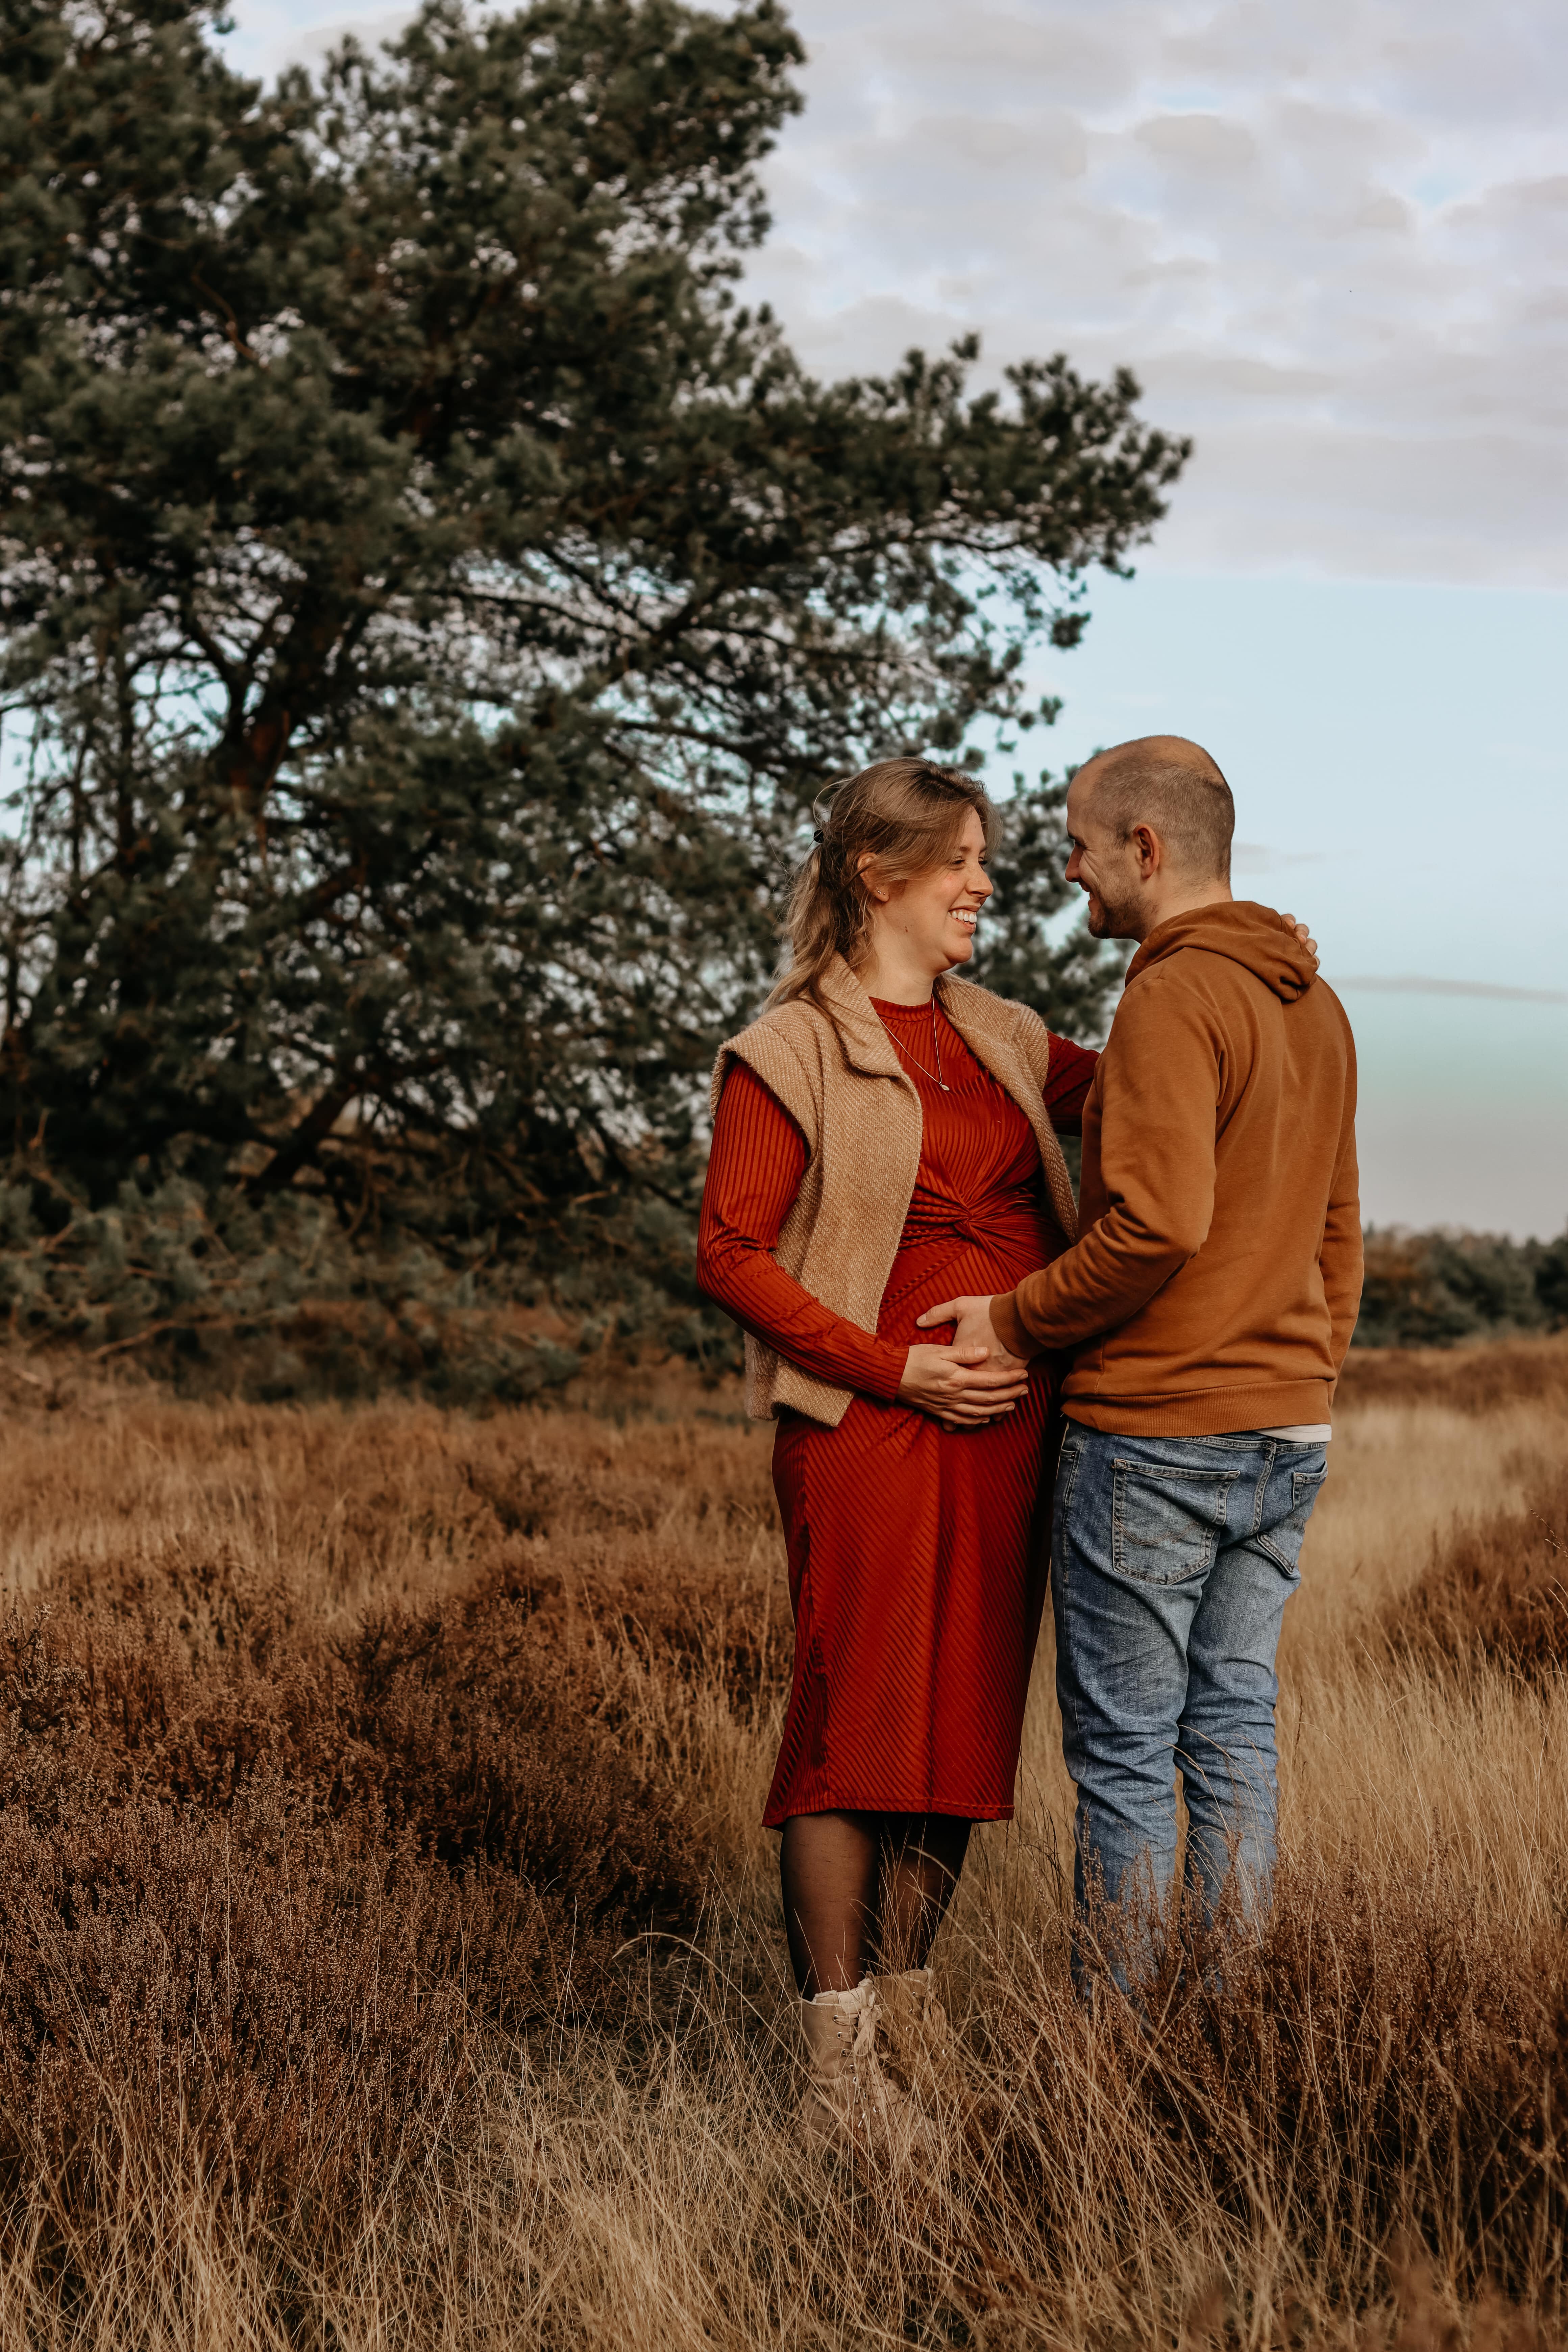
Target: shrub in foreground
274,1989
259,1892
1495,1588
336,1714
1385,2059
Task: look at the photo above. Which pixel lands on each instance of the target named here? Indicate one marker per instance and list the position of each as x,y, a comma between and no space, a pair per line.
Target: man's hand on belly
974,1329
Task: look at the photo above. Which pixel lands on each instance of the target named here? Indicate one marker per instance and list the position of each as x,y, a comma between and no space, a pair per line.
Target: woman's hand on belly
958,1386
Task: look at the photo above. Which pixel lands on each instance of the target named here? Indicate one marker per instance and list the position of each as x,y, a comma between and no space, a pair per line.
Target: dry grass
344,1752
1495,1591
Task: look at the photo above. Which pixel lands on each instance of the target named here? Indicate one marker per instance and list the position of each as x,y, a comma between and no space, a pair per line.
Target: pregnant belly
986,1256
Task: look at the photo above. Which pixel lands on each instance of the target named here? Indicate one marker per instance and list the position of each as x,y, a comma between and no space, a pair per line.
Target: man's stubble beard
1114,920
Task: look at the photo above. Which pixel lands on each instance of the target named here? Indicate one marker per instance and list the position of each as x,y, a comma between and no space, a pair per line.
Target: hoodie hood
1252,936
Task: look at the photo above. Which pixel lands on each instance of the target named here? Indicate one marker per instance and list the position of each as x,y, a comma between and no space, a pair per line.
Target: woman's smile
918,930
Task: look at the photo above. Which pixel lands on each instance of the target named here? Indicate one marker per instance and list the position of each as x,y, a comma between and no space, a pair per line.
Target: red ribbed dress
917,1555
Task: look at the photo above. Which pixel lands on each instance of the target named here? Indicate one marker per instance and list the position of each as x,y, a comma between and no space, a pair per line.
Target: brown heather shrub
455,1732
273,1991
1477,1376
1496,1588
1383,2062
265,1870
343,1751
267,1910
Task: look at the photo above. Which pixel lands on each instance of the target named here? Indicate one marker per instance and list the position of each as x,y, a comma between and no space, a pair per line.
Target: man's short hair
1173,786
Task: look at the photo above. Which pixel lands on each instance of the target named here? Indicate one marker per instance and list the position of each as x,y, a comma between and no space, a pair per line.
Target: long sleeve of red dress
753,1174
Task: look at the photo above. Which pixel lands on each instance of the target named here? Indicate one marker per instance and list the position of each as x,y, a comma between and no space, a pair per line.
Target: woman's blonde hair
907,814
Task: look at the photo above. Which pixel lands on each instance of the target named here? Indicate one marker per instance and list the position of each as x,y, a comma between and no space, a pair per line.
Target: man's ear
1147,849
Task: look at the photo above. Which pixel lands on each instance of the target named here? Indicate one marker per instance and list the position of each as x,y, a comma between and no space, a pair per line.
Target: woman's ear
864,866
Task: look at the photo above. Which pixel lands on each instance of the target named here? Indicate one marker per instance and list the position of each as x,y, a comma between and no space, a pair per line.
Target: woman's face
930,919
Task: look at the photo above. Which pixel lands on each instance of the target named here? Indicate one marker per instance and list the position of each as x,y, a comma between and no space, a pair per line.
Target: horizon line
1416,984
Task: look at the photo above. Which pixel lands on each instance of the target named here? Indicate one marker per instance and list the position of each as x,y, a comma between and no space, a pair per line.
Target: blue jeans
1172,1561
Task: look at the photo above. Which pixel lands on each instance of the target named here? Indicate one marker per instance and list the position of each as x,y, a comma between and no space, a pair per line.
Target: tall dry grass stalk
391,1957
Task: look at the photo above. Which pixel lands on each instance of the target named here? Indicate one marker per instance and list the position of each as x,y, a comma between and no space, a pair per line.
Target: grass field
389,1945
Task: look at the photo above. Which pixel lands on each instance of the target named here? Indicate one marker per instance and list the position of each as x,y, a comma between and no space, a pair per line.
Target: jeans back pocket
1285,1536
1166,1522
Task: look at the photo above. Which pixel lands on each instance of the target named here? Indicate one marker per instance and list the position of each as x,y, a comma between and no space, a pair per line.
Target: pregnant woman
884,1138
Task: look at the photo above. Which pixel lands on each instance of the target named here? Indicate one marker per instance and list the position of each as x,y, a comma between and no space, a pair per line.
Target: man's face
1105,868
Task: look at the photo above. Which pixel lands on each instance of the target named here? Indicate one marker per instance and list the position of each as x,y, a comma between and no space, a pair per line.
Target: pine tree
432,600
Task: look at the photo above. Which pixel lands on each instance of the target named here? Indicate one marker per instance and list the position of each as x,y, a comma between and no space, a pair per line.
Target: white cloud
1414,984
1331,239
1258,857
1205,144
271,34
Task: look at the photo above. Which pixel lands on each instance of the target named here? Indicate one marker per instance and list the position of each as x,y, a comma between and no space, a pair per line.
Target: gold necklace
935,1075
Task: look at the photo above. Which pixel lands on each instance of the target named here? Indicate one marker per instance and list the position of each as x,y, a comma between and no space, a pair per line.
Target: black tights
865,1890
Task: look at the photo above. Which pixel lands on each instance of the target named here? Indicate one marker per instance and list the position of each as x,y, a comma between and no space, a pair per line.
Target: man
1208,1303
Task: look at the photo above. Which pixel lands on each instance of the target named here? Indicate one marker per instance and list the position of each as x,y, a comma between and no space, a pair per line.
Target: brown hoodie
1216,1280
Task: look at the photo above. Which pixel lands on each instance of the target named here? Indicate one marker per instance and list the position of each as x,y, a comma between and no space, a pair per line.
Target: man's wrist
1007,1324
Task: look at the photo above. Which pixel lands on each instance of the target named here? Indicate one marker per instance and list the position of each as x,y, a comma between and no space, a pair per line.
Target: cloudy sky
1330,238
1333,242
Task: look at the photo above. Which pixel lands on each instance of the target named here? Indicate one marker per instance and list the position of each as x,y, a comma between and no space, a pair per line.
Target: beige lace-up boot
912,2031
848,2099
841,2101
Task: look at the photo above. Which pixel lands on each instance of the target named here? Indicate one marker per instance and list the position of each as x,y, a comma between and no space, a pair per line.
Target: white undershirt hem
1294,1433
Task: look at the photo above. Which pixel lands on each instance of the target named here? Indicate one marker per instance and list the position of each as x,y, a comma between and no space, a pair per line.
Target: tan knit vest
837,1074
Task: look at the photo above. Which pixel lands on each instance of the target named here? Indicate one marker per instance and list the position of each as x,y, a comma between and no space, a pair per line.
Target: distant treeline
277,1302
1430,1289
